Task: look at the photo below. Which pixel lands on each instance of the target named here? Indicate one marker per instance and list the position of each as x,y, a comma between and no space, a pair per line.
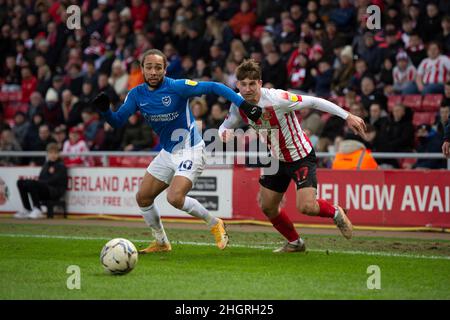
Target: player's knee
308,208
175,199
269,211
143,201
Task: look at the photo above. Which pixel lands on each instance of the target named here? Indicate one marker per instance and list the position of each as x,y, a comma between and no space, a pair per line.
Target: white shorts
188,163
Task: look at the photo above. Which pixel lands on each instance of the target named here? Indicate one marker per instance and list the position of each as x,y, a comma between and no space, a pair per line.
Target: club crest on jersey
166,101
266,116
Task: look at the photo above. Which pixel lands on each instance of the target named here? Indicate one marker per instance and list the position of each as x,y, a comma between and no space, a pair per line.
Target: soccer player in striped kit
164,104
290,145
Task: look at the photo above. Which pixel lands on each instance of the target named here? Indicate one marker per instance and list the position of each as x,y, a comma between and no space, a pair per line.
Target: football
119,256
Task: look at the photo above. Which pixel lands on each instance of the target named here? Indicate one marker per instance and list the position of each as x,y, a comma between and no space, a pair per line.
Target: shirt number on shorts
185,165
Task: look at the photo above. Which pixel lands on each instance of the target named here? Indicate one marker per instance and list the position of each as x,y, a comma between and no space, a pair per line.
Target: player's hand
446,149
226,135
357,125
101,102
253,112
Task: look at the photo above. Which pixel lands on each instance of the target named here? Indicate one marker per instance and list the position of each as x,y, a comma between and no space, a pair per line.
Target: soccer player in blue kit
164,104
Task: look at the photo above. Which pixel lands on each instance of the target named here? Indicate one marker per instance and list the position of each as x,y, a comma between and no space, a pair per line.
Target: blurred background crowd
395,77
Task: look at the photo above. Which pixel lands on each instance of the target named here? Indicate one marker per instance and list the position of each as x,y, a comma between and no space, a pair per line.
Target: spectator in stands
344,16
119,78
51,109
75,79
377,116
87,93
386,81
416,49
444,37
51,185
90,73
60,135
11,75
373,54
370,95
323,79
8,142
300,77
20,127
40,144
104,86
274,71
216,117
310,120
57,86
36,105
343,74
174,70
92,128
76,144
135,78
429,141
245,17
44,79
430,26
199,109
404,73
29,84
361,71
396,136
137,135
442,119
112,138
332,39
71,109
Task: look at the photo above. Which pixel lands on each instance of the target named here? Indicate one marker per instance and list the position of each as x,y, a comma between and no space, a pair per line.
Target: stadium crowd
395,77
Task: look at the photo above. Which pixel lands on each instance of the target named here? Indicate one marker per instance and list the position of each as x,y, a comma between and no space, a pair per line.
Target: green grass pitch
34,260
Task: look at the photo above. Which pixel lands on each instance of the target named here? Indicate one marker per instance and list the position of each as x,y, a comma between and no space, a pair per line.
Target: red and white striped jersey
404,76
279,125
434,70
78,147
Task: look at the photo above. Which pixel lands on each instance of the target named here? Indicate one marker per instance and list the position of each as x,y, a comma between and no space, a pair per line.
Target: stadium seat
423,117
393,100
432,102
413,101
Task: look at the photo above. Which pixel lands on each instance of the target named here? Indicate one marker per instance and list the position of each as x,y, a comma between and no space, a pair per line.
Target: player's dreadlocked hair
248,69
155,52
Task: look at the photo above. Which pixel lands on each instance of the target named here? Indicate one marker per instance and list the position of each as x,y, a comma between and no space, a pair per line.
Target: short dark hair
154,52
52,147
248,69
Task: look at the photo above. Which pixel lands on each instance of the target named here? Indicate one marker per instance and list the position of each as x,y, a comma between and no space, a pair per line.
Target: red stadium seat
393,100
424,117
432,102
15,96
413,101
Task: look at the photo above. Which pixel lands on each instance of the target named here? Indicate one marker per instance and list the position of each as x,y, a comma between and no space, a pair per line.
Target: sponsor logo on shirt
191,82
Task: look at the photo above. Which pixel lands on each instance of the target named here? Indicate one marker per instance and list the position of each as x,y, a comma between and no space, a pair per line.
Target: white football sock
195,208
153,220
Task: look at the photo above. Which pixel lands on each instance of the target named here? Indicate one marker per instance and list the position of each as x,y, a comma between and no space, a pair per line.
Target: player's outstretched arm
191,88
355,123
116,119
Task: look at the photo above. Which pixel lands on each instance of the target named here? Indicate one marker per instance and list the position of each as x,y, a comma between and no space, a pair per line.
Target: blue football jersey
167,109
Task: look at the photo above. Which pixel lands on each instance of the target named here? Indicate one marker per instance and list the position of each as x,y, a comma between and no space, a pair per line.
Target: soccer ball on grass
119,256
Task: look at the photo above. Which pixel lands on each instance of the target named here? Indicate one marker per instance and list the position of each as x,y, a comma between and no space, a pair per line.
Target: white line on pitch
366,253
